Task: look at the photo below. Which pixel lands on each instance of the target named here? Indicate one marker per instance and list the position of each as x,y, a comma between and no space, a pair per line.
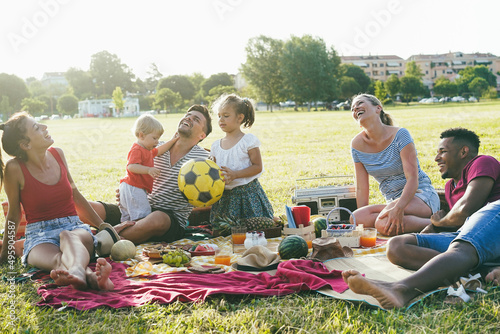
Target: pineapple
224,223
257,223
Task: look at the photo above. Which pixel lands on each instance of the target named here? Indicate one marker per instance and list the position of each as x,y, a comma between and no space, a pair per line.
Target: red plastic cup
301,215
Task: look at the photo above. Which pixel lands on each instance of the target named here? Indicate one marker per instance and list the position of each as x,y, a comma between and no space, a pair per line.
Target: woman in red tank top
38,178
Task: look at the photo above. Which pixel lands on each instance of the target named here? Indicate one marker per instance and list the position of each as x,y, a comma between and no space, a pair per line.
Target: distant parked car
472,99
344,105
444,99
66,117
457,99
423,101
55,117
44,117
432,100
287,104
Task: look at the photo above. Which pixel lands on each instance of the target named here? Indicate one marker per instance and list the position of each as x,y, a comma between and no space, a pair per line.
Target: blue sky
209,36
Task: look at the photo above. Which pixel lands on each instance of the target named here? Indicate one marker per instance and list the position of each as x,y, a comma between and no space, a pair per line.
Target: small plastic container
255,238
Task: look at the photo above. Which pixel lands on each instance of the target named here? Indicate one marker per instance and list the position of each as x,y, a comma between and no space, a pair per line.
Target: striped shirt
166,194
386,167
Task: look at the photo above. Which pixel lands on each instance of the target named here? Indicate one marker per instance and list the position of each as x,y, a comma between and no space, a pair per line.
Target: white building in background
239,81
106,108
54,78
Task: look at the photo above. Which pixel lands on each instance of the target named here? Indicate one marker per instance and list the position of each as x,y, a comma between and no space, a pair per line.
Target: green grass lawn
295,145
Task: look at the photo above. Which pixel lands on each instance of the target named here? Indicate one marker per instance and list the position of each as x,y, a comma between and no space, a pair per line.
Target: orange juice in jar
238,235
309,237
222,258
239,238
368,237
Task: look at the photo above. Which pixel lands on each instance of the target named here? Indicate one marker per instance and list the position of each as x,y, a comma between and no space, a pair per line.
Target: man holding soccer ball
169,209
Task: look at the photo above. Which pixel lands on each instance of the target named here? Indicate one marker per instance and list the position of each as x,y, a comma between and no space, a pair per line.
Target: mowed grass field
295,145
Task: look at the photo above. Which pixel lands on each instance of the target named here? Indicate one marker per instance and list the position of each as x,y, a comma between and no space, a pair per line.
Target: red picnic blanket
292,276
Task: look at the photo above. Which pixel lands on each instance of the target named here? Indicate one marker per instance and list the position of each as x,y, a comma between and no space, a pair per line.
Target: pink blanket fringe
291,277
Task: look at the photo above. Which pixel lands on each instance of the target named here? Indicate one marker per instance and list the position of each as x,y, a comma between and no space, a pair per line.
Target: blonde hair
147,124
384,117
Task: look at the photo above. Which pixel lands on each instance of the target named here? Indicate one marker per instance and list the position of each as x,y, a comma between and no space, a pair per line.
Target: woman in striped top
387,153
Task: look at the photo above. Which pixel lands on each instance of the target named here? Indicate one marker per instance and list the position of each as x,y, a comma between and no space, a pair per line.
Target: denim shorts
481,230
48,231
430,197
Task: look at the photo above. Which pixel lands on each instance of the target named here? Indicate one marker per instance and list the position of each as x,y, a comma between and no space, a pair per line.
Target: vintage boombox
323,199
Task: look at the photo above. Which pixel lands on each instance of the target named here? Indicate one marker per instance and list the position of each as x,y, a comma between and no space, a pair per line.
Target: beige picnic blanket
376,267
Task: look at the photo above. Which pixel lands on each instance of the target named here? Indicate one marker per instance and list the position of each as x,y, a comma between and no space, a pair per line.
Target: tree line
300,69
304,70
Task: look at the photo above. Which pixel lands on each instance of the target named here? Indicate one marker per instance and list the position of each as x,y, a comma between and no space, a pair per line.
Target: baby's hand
154,172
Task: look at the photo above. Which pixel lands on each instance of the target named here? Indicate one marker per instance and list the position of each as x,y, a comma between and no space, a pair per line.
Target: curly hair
463,137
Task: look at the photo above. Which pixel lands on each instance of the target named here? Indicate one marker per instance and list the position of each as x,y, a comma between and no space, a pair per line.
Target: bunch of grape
176,258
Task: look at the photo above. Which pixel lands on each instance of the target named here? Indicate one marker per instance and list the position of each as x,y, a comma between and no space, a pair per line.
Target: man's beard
184,132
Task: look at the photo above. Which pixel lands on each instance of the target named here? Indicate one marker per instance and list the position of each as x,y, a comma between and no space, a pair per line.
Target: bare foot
102,271
63,277
385,293
493,276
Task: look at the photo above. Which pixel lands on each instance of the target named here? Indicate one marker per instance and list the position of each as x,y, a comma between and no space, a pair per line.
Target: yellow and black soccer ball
200,181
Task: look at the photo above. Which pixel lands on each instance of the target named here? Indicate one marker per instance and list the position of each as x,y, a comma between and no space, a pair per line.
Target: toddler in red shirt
138,182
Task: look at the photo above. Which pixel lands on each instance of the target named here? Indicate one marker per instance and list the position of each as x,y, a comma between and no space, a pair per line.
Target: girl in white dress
238,155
